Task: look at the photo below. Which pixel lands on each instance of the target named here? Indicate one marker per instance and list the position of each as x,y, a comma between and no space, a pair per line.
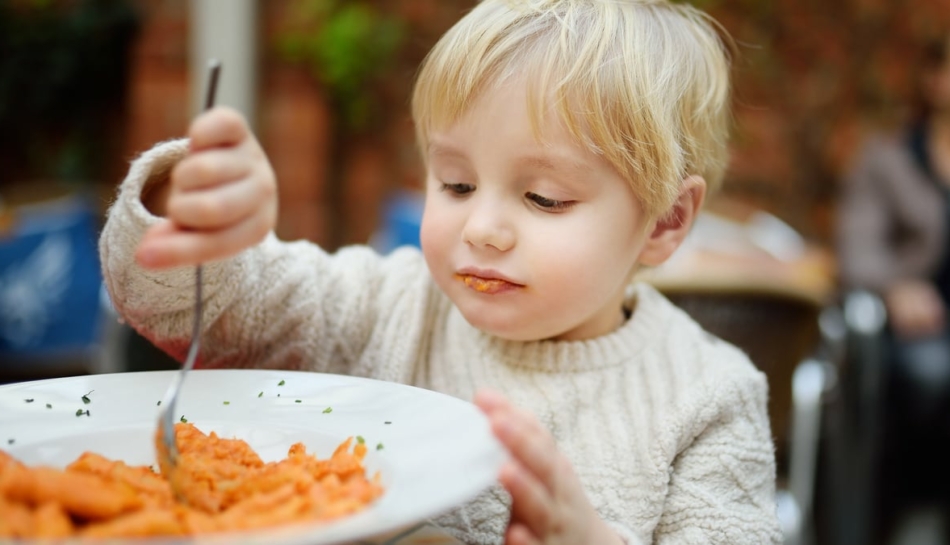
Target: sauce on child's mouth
486,285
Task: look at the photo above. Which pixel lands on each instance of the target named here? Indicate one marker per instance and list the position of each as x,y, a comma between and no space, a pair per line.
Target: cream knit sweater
665,424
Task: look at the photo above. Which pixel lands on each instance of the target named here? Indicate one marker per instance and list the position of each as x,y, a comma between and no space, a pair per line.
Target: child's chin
501,328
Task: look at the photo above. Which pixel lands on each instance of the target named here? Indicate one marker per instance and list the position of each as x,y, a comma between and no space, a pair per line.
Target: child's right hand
220,199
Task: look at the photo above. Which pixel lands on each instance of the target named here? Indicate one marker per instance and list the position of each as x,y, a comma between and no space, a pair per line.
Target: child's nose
488,226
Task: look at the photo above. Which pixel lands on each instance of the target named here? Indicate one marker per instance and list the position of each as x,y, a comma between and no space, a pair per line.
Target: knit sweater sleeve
275,305
722,482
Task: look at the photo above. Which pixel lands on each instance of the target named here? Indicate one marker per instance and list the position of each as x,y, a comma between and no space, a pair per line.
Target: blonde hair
644,83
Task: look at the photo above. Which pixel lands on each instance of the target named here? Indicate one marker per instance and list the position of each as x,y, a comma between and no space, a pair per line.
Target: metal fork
166,448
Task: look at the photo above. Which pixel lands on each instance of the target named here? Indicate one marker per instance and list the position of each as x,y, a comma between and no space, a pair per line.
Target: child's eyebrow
435,149
555,163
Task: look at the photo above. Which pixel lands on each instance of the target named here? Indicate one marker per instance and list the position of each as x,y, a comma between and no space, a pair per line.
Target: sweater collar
549,356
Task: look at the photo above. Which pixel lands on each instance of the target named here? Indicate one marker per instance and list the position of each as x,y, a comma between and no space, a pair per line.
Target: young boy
566,143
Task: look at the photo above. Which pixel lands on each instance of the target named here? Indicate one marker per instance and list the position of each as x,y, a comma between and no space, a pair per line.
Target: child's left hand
548,502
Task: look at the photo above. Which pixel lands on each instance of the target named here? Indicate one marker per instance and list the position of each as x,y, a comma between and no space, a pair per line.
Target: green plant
348,46
62,80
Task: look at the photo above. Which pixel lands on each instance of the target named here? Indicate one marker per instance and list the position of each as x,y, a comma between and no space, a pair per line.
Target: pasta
227,487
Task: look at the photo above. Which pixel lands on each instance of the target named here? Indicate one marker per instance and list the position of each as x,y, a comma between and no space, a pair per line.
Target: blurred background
85,85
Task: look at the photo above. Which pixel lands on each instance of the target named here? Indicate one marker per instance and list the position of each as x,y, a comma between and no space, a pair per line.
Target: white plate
435,451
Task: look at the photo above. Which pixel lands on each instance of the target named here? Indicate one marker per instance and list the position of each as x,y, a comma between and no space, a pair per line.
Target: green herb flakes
296,401
360,440
328,410
260,394
159,404
11,441
281,383
79,412
85,398
227,402
183,419
379,446
48,406
387,422
30,400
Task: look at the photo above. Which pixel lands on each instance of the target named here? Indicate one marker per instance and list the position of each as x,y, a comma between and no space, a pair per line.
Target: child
566,143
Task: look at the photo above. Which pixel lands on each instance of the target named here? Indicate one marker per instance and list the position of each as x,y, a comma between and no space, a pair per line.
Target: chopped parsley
296,401
281,383
379,446
30,400
260,394
11,441
159,403
278,395
360,440
328,410
80,412
387,422
227,402
85,398
48,406
183,419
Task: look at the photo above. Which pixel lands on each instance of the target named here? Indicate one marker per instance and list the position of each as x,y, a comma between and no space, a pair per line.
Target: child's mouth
486,285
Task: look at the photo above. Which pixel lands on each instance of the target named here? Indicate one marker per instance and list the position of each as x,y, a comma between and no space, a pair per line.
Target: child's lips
487,285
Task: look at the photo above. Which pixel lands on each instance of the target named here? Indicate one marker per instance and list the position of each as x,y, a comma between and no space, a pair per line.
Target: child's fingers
219,127
219,207
519,534
490,401
529,443
163,248
530,501
210,168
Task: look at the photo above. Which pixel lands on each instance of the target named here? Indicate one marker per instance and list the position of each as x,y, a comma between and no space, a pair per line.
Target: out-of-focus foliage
348,46
62,73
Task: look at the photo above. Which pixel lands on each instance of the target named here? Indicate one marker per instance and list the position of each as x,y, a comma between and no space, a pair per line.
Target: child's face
531,241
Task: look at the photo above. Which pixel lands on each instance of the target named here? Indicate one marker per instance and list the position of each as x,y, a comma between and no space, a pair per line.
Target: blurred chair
859,477
790,338
54,314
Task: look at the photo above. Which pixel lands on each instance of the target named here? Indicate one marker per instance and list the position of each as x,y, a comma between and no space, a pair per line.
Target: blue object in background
402,217
50,282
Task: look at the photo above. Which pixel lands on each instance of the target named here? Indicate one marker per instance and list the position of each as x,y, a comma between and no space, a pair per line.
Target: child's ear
670,230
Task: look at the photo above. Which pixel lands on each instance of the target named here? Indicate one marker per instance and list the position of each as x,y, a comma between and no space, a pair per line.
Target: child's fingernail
489,398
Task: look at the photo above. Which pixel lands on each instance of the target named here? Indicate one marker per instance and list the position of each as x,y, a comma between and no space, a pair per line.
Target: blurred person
894,239
566,143
895,234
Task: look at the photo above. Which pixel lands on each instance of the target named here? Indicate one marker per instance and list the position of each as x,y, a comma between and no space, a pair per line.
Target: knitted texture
665,425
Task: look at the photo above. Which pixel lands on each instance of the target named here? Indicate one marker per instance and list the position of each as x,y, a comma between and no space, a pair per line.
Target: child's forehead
552,126
543,155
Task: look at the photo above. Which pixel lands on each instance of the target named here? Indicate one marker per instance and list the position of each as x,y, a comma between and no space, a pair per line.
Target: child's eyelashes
458,189
550,205
539,201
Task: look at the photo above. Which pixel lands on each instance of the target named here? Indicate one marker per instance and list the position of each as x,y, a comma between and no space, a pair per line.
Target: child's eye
458,189
549,204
